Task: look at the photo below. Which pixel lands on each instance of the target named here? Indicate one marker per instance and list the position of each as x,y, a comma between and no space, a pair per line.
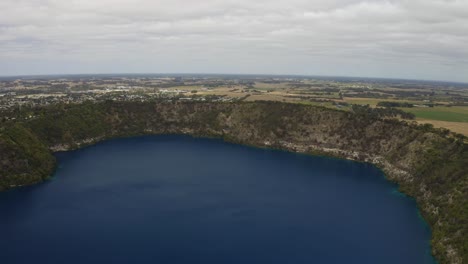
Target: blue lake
177,199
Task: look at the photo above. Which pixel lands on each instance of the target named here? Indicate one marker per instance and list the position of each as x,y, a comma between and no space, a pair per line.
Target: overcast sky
416,39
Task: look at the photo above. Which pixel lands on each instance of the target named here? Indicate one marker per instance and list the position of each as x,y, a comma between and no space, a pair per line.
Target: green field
441,113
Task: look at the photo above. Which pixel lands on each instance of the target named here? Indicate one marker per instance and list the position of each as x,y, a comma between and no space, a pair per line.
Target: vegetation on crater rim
429,164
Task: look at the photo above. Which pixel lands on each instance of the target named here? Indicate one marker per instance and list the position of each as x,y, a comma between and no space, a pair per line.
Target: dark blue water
175,199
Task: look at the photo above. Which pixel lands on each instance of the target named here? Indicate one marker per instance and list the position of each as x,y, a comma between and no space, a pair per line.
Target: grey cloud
388,38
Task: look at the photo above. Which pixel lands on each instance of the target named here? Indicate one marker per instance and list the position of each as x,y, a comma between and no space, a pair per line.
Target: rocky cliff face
428,165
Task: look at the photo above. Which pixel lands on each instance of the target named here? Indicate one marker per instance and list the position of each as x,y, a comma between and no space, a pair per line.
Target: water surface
176,199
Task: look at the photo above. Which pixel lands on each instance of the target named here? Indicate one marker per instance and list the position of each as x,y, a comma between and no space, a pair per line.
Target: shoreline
289,148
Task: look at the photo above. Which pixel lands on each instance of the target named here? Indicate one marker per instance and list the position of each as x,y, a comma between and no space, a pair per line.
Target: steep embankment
426,163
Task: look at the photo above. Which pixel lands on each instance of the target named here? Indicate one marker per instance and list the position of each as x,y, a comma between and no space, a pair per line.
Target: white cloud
388,38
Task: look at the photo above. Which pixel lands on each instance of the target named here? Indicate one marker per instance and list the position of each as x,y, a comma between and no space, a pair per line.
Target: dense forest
428,164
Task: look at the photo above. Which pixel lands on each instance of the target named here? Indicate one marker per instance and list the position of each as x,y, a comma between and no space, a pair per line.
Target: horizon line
234,74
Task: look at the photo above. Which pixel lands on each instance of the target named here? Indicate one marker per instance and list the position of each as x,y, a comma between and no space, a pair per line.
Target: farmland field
458,127
449,114
374,101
